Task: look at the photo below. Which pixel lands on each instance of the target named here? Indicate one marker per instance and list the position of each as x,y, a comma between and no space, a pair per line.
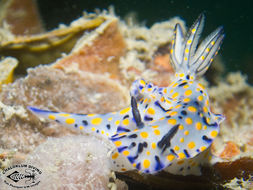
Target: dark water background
235,16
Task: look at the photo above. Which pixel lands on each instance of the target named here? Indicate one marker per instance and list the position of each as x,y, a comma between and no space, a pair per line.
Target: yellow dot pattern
181,155
118,143
186,86
202,148
191,145
64,114
125,122
142,82
213,134
192,109
176,148
186,100
146,163
151,111
198,126
117,122
96,121
144,135
188,93
188,121
157,132
153,145
52,117
124,111
200,98
115,155
170,157
181,127
126,152
172,121
175,95
173,113
70,121
182,74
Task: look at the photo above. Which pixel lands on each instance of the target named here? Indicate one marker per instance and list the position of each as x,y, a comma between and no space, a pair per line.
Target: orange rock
22,16
100,57
230,150
162,63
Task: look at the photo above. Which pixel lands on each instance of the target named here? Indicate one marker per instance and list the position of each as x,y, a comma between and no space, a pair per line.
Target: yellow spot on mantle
186,132
191,145
125,122
146,163
175,95
200,98
181,127
186,100
188,93
52,117
144,134
117,122
64,114
153,145
151,111
96,121
170,157
172,121
214,134
188,121
176,148
117,143
202,148
70,121
181,155
115,155
124,111
157,132
192,109
125,152
198,126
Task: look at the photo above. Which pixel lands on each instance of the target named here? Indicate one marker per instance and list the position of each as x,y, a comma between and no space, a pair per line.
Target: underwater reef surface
94,76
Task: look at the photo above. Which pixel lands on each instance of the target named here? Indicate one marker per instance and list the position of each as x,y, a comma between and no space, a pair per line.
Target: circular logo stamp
21,176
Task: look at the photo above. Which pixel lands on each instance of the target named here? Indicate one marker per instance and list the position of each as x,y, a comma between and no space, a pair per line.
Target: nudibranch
164,125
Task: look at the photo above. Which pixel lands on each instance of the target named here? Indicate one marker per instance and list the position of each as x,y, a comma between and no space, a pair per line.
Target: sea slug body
164,126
